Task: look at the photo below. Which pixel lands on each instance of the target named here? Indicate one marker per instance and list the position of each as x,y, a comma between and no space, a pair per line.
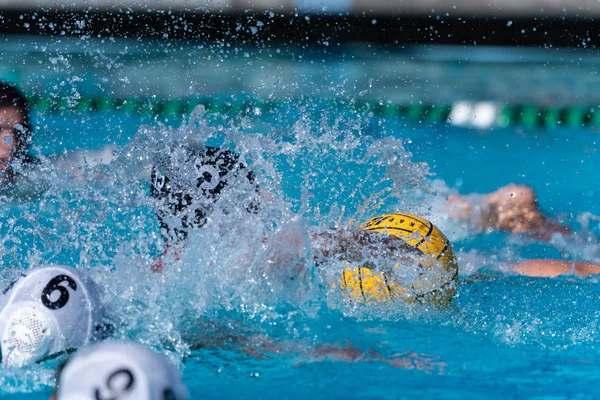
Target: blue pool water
504,336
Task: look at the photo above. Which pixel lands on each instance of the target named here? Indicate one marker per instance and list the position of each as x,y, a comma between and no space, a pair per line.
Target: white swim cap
48,311
124,371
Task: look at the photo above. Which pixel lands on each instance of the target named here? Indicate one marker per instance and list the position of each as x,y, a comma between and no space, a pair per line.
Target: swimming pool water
504,336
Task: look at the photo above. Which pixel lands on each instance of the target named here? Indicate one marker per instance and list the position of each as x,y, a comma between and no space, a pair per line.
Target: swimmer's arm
552,268
233,335
263,347
349,353
76,162
353,245
334,243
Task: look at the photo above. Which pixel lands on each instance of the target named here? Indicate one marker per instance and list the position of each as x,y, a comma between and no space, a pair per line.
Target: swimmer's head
116,370
15,125
49,311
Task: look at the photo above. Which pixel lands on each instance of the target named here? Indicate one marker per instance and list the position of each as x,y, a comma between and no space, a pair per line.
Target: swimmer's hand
158,265
159,262
82,164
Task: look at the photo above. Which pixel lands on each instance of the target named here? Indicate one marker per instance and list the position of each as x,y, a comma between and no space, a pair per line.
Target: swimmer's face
11,120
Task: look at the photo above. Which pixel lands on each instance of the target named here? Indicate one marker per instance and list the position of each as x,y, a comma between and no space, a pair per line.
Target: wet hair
12,97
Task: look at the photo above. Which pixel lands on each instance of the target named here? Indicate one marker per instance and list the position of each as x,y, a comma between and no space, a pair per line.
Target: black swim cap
205,173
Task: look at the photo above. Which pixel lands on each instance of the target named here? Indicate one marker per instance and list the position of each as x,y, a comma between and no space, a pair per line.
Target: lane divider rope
464,113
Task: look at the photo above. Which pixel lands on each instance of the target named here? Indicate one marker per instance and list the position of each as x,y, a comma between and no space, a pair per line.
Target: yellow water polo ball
432,277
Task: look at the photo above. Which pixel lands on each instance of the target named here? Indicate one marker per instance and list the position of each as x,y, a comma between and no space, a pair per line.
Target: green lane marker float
551,118
474,114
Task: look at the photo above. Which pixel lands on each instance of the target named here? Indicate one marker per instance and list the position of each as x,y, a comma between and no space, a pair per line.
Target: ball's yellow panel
362,283
415,231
